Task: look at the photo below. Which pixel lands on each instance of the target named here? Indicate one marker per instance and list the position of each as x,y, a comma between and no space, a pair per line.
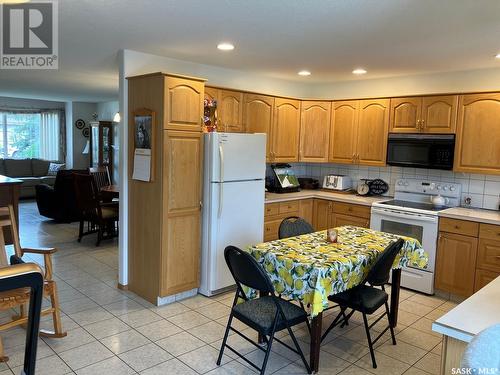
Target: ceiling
275,38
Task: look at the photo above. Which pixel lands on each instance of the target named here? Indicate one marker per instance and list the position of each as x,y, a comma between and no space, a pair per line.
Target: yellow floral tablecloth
307,268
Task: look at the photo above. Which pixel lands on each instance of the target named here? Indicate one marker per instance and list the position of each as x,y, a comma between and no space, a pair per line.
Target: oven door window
403,229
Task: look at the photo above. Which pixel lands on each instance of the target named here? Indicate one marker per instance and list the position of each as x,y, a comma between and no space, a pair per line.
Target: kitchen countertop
476,313
472,214
334,196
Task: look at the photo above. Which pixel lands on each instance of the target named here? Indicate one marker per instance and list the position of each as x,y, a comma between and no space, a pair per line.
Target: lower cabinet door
484,277
341,220
321,214
456,263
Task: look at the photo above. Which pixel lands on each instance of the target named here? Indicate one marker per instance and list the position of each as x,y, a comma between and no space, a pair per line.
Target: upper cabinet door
314,131
373,128
439,114
211,93
477,147
285,131
230,111
184,104
405,115
258,116
343,132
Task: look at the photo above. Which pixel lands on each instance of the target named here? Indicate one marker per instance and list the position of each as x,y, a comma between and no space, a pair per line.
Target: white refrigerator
233,202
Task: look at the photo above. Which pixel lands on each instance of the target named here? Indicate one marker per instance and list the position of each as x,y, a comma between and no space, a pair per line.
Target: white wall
438,83
21,103
82,111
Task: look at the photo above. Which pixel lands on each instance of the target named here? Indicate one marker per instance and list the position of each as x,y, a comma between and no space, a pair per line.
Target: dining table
309,268
111,191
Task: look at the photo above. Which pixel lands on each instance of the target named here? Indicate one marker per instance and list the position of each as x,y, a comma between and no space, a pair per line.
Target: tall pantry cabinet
165,213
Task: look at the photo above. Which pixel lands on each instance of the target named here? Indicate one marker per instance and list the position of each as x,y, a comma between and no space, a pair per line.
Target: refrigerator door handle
221,185
221,163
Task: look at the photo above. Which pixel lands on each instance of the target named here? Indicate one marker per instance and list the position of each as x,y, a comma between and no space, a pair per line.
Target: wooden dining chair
18,298
101,176
101,218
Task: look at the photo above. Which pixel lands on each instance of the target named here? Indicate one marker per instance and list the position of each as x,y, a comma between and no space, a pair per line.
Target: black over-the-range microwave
433,151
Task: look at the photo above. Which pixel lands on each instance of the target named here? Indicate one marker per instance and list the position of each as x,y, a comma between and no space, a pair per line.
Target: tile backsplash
483,190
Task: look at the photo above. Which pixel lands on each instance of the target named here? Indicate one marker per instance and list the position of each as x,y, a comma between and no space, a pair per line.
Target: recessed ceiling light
304,73
359,71
498,56
225,46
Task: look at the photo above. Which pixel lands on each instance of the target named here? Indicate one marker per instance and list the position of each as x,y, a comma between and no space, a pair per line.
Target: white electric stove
412,214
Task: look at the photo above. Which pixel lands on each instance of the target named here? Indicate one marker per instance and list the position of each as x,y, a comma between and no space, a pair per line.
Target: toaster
337,182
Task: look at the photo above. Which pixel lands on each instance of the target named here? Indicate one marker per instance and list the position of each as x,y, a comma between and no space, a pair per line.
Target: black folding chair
267,314
294,226
367,299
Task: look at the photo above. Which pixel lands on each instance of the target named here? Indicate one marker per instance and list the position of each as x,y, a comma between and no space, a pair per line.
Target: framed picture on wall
144,136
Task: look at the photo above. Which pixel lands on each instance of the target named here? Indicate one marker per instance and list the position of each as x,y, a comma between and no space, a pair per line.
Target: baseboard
176,297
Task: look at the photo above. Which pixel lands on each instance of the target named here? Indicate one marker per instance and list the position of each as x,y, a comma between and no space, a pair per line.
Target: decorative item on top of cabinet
285,131
314,131
258,116
478,134
428,114
184,104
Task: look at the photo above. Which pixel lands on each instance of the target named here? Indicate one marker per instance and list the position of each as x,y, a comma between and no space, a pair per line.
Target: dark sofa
59,202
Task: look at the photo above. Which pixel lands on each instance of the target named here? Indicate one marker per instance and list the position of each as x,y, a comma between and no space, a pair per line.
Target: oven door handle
416,217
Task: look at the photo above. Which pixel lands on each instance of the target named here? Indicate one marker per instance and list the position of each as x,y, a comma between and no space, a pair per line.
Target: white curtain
49,136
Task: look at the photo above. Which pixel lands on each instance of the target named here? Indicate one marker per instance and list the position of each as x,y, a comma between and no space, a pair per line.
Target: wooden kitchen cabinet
211,93
439,114
405,114
483,278
181,211
322,214
478,134
275,213
339,220
428,114
373,126
230,111
164,239
183,104
258,116
285,131
456,263
344,131
314,131
359,132
306,209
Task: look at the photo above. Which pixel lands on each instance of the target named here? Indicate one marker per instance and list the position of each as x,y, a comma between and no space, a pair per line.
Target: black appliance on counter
432,151
282,180
308,183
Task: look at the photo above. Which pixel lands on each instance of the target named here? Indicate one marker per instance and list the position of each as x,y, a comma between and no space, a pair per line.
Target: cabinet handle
422,124
353,157
457,227
201,204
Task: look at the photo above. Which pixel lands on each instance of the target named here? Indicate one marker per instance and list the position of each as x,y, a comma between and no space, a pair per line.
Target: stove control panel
427,187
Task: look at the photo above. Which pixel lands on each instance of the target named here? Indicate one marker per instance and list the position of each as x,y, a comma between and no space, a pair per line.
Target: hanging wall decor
80,124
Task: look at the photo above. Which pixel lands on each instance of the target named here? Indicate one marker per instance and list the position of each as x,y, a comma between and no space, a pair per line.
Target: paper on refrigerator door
142,164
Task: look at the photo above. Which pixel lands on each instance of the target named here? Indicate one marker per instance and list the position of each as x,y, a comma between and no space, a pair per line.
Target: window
29,135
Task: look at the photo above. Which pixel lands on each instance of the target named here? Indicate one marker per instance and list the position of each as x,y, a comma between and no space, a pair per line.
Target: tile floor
115,332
